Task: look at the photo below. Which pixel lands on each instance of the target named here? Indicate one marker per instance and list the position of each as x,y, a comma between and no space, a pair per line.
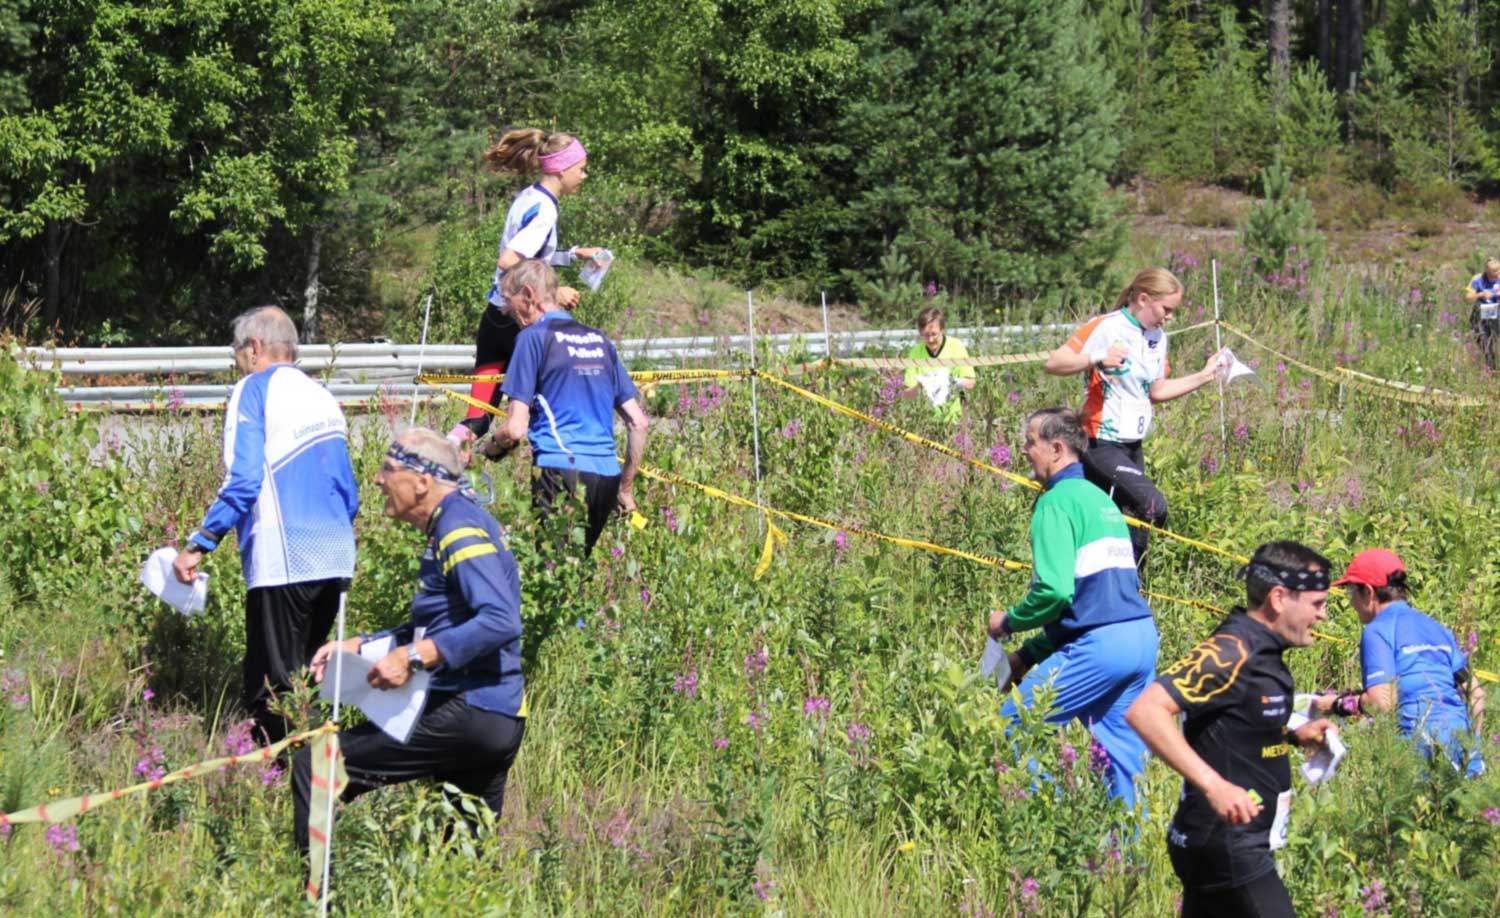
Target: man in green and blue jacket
1097,644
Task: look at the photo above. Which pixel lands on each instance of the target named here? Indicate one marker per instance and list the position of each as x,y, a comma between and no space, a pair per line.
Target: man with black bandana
1234,749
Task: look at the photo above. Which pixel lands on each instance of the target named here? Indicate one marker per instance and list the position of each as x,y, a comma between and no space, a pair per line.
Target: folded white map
394,711
161,580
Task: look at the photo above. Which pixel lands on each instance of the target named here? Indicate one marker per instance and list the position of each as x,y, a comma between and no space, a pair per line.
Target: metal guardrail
358,373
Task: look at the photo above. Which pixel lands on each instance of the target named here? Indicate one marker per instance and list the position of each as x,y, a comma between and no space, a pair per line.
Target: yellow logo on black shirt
1209,669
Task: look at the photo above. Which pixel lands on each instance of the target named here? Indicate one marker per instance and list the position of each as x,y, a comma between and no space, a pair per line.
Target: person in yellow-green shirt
941,385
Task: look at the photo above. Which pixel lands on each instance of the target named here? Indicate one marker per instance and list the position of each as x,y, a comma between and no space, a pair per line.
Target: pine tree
999,125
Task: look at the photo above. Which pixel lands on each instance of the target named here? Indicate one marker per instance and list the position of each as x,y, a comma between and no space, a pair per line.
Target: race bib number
1283,816
1489,310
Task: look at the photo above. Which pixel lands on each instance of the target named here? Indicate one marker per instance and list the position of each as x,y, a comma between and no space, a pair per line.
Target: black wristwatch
414,659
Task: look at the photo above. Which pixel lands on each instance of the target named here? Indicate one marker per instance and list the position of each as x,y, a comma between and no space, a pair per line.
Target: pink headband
564,159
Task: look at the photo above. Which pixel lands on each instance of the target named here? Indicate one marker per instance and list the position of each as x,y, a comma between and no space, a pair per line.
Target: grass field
816,741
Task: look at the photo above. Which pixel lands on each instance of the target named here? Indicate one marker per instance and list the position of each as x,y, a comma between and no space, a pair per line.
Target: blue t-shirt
1421,657
571,377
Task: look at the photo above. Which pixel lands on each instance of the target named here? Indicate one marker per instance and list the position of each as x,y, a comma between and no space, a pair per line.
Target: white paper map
938,385
593,271
394,711
161,580
1232,369
995,663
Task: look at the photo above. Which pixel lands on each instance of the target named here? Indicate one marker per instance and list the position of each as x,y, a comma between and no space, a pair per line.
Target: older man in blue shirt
468,607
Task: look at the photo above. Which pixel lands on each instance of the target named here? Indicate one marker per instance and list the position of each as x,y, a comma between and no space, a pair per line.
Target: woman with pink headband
530,232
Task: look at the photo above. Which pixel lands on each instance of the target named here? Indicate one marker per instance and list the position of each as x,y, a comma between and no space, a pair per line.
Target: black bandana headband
415,463
1295,580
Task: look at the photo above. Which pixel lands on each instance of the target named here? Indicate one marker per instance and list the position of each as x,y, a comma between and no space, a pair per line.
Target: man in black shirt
1234,749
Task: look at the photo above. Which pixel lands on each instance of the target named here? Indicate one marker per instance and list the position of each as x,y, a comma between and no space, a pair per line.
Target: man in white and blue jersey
290,495
566,383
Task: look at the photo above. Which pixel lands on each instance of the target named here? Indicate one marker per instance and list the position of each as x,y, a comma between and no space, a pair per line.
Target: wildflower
1471,643
931,288
1354,495
4,831
1000,455
1098,758
1067,756
686,684
762,888
1031,896
270,776
1013,397
757,720
1242,432
616,551
755,662
147,695
1373,898
1208,463
721,742
840,541
907,846
669,517
1430,429
645,597
63,839
240,738
1492,815
815,706
791,429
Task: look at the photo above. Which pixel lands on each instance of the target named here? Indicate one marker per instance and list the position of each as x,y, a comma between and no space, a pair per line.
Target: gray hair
533,273
1060,424
269,325
431,446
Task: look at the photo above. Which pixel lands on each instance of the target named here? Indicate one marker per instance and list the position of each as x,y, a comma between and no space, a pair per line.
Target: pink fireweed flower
815,706
840,541
63,839
686,684
755,662
721,742
1492,815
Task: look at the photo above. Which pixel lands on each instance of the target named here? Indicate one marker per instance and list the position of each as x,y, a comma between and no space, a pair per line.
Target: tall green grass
814,742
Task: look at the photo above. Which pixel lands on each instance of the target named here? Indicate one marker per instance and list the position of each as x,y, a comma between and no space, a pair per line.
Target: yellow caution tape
1400,391
736,500
76,806
328,780
640,376
976,463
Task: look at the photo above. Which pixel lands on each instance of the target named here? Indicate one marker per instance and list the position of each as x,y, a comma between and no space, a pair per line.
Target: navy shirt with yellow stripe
469,601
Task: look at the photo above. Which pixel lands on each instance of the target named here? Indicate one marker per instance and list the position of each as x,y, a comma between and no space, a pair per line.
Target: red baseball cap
1372,567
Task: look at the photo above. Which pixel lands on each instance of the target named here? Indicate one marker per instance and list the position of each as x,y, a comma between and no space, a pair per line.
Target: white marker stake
338,685
827,335
421,355
1219,346
755,406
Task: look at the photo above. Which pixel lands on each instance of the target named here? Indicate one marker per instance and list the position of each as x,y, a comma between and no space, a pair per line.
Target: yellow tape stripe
991,360
736,500
912,543
1404,392
63,810
976,463
640,376
464,554
463,532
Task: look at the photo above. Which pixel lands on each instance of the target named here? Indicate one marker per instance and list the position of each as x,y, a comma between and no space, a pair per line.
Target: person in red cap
1410,662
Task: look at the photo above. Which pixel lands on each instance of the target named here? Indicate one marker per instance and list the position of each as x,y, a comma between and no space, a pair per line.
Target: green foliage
1282,230
993,182
1443,140
1307,127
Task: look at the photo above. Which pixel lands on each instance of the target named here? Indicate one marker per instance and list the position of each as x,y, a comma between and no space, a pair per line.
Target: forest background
165,164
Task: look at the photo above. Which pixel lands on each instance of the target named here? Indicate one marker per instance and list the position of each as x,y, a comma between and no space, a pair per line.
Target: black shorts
599,495
495,341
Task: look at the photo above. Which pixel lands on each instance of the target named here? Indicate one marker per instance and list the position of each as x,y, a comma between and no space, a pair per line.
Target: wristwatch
414,659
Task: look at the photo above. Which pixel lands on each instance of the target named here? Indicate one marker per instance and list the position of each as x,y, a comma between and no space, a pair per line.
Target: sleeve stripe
1079,337
464,554
463,532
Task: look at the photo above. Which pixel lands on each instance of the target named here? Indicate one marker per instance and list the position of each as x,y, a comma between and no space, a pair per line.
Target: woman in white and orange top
1123,354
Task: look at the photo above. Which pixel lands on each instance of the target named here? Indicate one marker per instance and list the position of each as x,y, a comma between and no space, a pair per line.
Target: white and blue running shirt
530,229
289,491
